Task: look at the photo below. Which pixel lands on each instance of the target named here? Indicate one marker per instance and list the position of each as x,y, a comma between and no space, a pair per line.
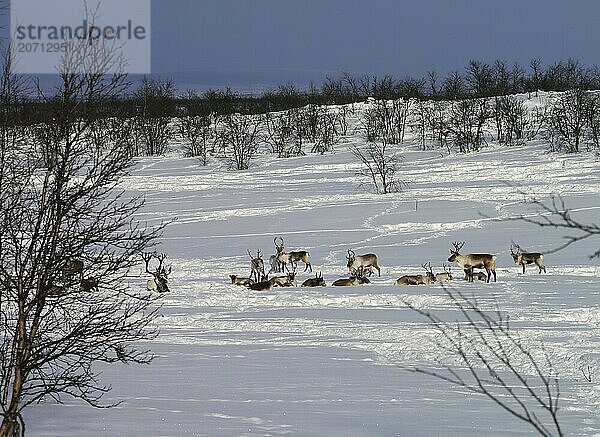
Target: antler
427,267
160,270
516,246
161,257
351,254
250,254
278,246
457,247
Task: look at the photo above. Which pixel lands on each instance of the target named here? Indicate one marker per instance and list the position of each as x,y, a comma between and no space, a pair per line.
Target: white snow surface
325,361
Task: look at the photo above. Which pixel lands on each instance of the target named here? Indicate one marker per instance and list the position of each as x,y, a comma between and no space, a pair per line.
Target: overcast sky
289,38
269,42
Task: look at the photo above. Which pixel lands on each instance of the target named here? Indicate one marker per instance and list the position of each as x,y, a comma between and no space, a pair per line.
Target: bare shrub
198,134
380,167
240,136
482,354
153,99
568,119
511,119
466,122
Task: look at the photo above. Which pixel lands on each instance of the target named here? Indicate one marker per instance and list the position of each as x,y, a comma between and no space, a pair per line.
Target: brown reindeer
292,257
71,267
317,281
285,281
524,258
357,265
236,280
352,281
89,284
444,277
257,267
474,261
160,275
425,279
52,290
265,285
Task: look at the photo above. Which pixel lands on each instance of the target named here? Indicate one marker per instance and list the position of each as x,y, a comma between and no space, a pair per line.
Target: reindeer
71,267
471,276
425,279
285,281
292,257
55,290
257,267
89,284
352,281
160,275
275,265
477,276
358,264
265,285
362,272
473,261
246,282
317,281
524,258
446,276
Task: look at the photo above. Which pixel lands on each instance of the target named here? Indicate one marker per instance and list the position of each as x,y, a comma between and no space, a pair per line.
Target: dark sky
313,38
245,43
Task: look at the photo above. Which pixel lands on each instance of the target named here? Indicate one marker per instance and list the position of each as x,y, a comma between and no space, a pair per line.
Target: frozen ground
323,362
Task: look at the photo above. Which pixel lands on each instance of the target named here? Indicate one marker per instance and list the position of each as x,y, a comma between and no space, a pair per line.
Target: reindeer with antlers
524,258
446,276
288,280
425,279
360,264
257,267
317,281
160,275
292,257
473,261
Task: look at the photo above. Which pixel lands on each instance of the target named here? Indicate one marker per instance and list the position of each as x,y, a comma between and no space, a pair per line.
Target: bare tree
153,100
326,132
511,119
386,120
430,124
280,132
198,134
568,119
60,209
482,354
466,122
380,167
240,138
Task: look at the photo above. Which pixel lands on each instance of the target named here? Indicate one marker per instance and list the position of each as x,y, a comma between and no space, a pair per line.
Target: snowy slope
324,361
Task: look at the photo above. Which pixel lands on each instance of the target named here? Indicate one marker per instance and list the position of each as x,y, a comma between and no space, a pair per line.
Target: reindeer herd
283,270
361,267
70,277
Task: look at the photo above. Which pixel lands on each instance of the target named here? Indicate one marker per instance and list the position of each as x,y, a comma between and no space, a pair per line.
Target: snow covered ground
324,361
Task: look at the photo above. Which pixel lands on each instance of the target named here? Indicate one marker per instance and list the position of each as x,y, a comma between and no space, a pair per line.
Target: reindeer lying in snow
236,280
317,281
425,279
353,281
